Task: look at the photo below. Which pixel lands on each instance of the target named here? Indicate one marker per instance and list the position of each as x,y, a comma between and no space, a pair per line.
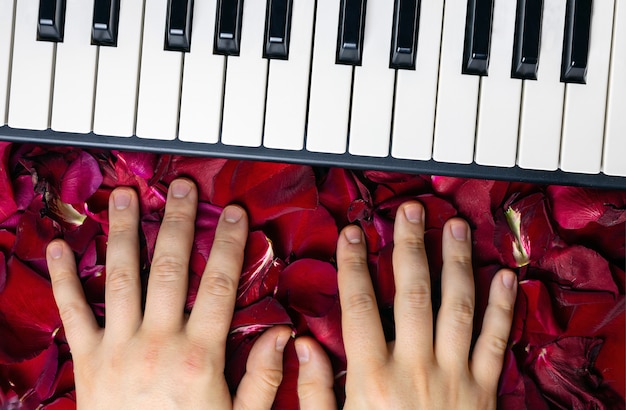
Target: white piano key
585,104
457,97
118,76
31,73
75,71
372,98
6,33
288,84
159,81
246,81
542,100
331,85
615,141
203,80
500,95
416,90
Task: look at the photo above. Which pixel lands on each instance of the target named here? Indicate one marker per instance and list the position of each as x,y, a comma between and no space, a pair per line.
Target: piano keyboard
530,90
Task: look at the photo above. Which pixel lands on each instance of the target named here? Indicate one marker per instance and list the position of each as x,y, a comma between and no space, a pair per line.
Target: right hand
421,369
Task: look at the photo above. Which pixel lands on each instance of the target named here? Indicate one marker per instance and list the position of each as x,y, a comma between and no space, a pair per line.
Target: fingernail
180,189
302,350
232,214
353,234
508,279
459,231
121,199
281,342
55,250
414,213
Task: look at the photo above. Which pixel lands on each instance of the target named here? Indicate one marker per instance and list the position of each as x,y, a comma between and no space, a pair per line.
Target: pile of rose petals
567,245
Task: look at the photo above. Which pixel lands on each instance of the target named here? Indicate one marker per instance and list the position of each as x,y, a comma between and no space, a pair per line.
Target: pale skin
162,358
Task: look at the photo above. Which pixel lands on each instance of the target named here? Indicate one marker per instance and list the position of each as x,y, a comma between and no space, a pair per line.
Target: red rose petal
309,286
263,314
575,208
27,328
266,190
260,270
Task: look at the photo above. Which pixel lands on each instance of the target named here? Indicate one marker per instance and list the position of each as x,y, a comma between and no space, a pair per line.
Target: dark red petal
304,234
579,268
266,190
564,371
27,328
265,313
287,394
309,286
540,325
33,234
327,330
260,270
337,191
200,170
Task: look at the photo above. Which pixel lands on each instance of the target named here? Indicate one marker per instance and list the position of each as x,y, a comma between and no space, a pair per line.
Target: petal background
567,344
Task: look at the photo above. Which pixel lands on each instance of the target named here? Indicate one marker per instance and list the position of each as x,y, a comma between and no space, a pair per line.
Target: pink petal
28,328
81,179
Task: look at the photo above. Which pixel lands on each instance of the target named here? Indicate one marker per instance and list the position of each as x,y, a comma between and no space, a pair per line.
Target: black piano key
51,22
228,27
351,32
277,29
527,39
576,41
178,25
477,37
106,18
404,36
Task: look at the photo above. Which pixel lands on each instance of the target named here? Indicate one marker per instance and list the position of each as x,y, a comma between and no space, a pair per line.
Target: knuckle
462,312
217,283
412,242
497,344
226,241
167,268
361,304
121,226
417,296
70,313
176,215
119,279
463,262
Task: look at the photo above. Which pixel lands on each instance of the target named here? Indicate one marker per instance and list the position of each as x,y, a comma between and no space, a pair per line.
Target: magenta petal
7,201
27,328
81,179
327,330
309,286
575,208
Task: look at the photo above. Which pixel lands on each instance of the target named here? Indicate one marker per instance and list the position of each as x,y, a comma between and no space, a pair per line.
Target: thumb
315,377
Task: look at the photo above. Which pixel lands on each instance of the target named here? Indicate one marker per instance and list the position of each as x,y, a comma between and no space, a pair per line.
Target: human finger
412,305
81,329
456,315
123,287
488,354
212,312
167,285
264,371
315,376
360,320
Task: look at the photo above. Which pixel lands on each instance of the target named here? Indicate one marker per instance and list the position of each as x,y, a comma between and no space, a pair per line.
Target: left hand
160,358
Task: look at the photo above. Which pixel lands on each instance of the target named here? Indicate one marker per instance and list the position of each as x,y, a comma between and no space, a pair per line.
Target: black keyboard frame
431,167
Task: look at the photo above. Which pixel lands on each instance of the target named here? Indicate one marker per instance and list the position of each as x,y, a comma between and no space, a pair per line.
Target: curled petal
575,208
260,270
81,179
